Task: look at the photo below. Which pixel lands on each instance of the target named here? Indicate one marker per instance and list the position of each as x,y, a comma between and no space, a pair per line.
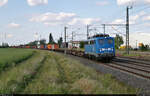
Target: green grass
52,73
132,55
10,57
60,75
17,78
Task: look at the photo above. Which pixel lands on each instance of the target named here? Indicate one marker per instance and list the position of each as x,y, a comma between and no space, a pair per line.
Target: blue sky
25,20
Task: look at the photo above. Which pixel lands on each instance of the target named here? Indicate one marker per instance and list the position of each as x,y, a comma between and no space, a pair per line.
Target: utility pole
127,30
61,34
65,29
117,41
87,31
40,37
5,37
104,27
136,43
72,39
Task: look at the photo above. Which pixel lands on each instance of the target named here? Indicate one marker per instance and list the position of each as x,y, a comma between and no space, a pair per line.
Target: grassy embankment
67,76
17,78
46,72
11,57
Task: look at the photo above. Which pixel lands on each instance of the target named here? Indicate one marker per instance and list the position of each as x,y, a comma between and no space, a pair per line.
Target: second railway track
134,67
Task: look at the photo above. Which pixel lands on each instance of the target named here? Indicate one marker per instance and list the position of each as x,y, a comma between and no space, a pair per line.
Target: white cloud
53,19
124,2
141,37
148,1
145,34
122,21
132,2
102,3
147,24
138,17
133,19
37,2
1,36
36,35
142,13
3,2
83,21
14,25
118,21
146,18
9,35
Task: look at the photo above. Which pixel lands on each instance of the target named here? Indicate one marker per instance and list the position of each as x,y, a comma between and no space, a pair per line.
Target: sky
23,21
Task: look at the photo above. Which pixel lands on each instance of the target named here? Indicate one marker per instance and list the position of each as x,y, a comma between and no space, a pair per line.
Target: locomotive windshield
110,41
105,41
101,41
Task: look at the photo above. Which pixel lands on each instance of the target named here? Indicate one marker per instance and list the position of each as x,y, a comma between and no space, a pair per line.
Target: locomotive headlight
110,49
100,50
106,49
103,49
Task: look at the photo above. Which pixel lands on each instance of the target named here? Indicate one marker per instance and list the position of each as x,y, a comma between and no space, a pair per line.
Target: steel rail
132,68
147,77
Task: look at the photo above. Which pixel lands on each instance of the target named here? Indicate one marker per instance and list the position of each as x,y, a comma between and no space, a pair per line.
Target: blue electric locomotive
100,47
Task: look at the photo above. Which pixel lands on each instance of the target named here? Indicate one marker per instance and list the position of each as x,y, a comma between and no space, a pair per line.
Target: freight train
99,47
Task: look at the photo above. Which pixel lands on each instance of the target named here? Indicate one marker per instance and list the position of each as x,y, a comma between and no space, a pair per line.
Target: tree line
119,41
43,41
4,45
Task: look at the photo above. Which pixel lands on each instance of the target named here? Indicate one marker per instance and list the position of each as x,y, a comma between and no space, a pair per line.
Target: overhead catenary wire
146,7
118,31
141,9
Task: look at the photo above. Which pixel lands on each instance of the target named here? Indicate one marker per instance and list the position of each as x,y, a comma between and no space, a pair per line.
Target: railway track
134,67
142,66
127,60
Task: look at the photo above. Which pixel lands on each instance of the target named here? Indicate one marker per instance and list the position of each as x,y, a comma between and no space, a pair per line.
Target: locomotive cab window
101,41
110,41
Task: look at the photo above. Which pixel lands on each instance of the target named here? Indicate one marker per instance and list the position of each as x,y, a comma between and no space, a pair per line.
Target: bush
144,47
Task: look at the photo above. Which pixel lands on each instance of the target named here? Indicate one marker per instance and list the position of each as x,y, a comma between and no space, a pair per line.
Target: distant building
74,44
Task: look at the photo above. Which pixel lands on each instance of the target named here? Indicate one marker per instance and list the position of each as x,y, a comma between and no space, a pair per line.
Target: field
134,54
52,73
10,57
